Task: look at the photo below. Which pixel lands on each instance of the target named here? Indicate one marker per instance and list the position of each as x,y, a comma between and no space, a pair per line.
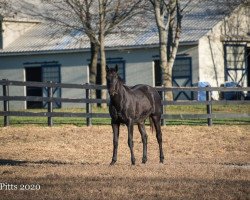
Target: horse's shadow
12,162
9,162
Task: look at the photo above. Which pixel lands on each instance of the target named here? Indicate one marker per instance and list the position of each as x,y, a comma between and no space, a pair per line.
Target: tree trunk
173,41
170,54
166,73
163,36
102,49
103,71
93,66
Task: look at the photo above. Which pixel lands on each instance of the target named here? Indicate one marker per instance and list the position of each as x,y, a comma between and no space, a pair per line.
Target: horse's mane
121,80
123,83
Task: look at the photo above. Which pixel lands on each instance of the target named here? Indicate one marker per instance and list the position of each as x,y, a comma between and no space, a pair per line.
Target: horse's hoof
112,162
133,162
161,159
144,160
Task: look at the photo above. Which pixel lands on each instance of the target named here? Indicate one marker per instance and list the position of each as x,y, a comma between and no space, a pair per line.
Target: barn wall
73,70
211,47
14,29
11,69
211,59
139,65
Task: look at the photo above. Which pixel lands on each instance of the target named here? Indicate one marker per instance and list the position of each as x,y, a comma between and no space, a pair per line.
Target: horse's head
112,80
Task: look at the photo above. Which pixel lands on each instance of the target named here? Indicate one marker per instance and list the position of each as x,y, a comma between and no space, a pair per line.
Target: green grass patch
197,109
201,109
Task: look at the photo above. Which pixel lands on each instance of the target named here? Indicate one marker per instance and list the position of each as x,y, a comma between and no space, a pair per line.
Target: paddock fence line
89,115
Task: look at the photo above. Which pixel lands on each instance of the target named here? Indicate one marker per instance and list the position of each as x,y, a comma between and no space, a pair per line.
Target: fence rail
89,115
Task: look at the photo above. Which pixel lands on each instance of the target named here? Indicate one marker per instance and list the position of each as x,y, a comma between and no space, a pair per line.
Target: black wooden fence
89,115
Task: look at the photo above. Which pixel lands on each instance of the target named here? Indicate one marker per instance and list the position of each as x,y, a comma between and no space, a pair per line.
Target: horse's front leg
115,127
130,126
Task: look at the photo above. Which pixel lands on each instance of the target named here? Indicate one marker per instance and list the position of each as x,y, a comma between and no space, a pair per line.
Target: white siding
211,49
13,30
211,60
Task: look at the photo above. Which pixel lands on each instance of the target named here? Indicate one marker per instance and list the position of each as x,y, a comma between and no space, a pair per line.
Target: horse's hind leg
130,126
157,123
144,138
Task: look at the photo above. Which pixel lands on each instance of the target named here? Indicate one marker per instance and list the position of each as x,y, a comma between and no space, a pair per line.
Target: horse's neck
119,97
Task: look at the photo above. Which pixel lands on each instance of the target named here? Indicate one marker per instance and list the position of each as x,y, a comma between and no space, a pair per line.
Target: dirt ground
69,162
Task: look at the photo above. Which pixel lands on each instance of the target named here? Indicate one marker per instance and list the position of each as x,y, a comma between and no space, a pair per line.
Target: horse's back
150,93
146,90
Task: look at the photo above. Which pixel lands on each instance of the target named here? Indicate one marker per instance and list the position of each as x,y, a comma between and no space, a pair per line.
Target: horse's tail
151,125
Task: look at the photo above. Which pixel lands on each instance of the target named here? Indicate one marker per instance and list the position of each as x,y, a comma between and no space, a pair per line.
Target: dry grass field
69,162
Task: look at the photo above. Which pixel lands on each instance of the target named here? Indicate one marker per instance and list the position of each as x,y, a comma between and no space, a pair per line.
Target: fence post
88,107
50,104
209,108
6,103
163,121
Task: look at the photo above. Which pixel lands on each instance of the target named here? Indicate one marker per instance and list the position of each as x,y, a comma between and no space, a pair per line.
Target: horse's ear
107,68
116,68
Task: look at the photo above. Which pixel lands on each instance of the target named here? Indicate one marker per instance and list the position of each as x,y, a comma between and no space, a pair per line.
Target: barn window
181,76
235,63
42,72
51,72
112,62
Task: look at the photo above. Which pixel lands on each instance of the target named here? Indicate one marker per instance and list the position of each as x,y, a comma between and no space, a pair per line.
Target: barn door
52,73
235,64
34,74
182,77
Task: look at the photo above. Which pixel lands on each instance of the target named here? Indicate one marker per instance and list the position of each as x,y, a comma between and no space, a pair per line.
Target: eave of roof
82,50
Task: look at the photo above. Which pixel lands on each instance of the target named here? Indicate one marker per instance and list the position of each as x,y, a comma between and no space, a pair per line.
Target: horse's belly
143,109
118,116
142,116
137,111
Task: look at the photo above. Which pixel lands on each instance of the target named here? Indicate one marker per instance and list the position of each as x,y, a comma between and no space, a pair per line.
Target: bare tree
3,6
102,21
3,3
168,16
74,15
96,19
113,13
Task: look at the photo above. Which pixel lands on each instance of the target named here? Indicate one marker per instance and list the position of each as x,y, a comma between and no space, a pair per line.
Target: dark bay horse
133,105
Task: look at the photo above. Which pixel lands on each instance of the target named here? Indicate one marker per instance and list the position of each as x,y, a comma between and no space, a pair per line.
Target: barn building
214,47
